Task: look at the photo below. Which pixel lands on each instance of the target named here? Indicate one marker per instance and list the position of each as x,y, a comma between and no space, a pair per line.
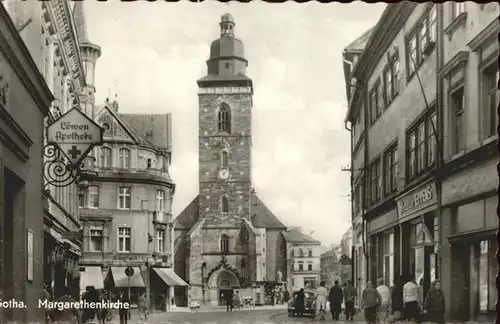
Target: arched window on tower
224,118
224,243
223,159
243,268
224,204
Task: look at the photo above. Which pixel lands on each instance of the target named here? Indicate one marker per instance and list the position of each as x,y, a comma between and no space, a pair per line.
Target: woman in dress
321,294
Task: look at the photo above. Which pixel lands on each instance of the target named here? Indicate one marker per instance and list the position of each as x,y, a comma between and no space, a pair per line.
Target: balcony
306,272
130,175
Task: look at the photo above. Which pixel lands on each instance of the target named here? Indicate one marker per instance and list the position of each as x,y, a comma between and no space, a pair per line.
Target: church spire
80,24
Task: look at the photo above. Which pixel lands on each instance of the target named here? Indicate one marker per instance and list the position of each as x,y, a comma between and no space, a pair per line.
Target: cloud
153,53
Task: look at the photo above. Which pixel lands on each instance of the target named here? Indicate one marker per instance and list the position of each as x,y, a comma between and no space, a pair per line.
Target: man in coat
335,298
350,294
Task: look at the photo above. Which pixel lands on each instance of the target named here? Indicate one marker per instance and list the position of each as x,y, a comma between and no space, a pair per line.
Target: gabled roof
262,217
189,216
151,129
359,43
294,235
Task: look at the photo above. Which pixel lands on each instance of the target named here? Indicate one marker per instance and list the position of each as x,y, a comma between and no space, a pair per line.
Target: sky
153,53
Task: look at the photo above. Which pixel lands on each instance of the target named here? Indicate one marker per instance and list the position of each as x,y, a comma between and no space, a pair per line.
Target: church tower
90,53
225,141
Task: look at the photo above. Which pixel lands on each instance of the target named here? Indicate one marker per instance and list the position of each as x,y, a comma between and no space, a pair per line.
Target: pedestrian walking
434,305
67,315
335,298
229,301
397,300
410,298
102,313
299,304
321,294
350,295
142,305
123,311
370,300
385,305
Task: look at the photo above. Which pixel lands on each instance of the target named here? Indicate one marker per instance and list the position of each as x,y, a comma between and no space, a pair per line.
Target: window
376,96
148,164
93,196
301,266
160,200
421,41
310,253
491,98
309,267
224,243
391,78
124,198
375,180
456,9
388,267
412,54
390,170
227,65
160,240
223,159
81,198
224,204
293,281
301,253
421,154
96,240
457,106
105,157
487,274
124,158
432,24
124,239
224,119
431,139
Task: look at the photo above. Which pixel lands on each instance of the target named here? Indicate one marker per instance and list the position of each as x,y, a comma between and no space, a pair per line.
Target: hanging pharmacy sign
75,135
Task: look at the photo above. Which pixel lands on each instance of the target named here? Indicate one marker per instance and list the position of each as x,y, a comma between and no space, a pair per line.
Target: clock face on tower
223,174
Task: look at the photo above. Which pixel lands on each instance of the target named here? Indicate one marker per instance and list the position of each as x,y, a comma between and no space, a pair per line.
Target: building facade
24,104
125,200
304,260
330,267
426,178
346,257
226,238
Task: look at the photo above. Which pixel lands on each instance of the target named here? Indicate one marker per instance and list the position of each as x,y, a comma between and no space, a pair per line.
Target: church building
226,238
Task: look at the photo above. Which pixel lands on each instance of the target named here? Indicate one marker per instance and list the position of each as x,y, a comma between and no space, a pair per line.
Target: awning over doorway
169,276
91,276
121,279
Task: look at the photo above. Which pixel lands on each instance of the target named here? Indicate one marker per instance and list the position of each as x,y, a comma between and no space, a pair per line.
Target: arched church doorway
221,284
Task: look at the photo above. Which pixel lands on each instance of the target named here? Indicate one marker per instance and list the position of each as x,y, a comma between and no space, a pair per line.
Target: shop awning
169,276
91,276
73,248
121,279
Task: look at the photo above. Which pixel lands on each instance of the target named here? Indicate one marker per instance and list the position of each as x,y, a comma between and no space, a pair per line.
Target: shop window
419,256
388,268
487,274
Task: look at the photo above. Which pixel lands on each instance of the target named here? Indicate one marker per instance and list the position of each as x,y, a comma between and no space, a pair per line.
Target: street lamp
150,261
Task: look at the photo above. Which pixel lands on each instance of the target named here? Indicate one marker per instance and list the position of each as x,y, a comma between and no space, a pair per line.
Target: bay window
160,240
160,200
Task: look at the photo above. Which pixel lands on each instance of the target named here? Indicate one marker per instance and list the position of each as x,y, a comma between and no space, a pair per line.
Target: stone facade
226,238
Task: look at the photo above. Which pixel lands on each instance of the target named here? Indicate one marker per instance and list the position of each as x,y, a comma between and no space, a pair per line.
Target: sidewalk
209,309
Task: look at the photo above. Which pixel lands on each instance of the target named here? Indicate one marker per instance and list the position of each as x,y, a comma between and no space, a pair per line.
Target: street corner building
24,103
424,188
226,238
303,260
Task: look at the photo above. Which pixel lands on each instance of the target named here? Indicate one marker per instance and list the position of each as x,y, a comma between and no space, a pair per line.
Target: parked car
309,304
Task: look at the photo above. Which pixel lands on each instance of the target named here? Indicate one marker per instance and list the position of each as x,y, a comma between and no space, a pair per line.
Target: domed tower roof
227,55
